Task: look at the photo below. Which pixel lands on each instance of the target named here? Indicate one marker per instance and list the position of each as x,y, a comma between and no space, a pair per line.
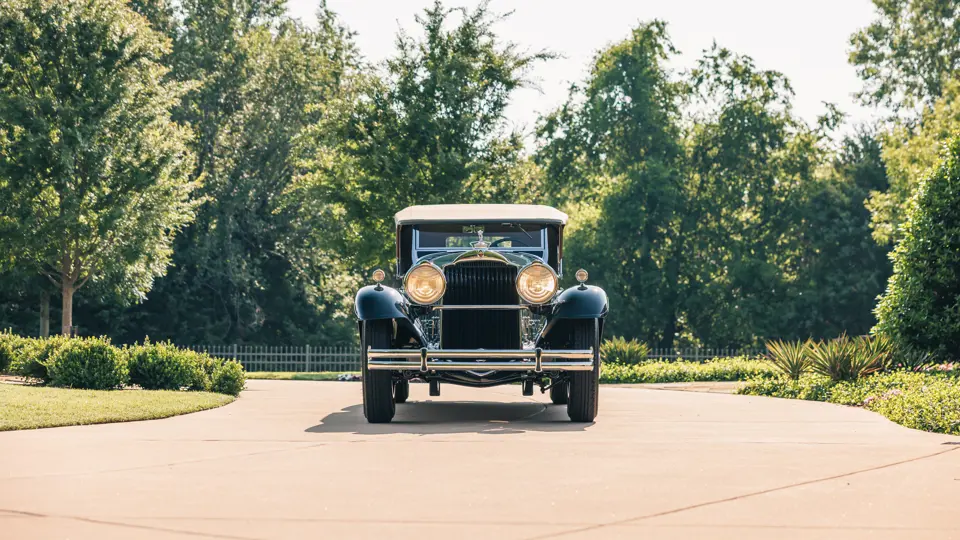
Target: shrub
228,378
161,366
789,357
843,359
909,359
206,365
933,405
91,363
718,369
619,350
809,387
9,345
929,401
32,357
921,306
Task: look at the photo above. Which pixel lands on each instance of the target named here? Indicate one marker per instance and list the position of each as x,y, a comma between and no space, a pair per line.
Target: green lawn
31,407
291,376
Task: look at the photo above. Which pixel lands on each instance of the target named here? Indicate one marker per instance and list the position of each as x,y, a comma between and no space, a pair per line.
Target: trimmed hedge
228,378
93,363
31,357
8,345
161,366
739,368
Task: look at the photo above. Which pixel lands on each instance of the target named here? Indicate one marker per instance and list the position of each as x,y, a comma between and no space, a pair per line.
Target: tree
748,159
428,129
613,151
839,270
908,53
94,171
910,151
921,306
699,205
241,271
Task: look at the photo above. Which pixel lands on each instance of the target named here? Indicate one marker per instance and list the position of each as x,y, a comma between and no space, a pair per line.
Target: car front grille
480,283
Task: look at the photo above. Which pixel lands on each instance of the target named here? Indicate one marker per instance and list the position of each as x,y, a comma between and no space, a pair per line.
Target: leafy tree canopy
428,128
909,53
94,170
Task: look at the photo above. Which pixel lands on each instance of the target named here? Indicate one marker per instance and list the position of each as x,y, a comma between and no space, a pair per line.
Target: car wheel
558,393
584,398
378,406
401,391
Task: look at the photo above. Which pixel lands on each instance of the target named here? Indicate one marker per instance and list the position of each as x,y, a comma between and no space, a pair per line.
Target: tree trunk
44,314
67,316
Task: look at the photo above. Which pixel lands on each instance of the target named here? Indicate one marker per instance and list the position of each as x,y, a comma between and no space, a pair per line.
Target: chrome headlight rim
443,283
553,293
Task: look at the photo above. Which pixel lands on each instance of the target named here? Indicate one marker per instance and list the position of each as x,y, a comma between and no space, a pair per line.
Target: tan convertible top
433,213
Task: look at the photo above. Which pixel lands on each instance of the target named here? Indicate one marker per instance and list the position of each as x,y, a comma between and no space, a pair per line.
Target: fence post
308,358
235,352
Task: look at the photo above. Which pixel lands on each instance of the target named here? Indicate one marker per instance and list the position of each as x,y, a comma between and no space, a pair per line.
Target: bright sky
806,40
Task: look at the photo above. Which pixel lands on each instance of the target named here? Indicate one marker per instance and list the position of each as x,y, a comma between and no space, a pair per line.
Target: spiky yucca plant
880,346
791,358
842,359
619,350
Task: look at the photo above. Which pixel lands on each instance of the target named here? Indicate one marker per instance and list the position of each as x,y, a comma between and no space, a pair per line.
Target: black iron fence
306,358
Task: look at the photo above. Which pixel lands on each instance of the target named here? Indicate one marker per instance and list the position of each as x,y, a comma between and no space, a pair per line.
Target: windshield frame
541,251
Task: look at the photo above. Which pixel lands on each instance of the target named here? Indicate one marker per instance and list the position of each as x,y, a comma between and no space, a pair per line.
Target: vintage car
480,305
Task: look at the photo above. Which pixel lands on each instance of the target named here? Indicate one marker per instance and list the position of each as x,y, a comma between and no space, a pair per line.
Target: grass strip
31,407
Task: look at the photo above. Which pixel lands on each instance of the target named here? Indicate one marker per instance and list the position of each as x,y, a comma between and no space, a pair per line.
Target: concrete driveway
296,460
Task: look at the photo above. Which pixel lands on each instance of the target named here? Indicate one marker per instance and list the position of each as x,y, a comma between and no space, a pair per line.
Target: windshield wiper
517,225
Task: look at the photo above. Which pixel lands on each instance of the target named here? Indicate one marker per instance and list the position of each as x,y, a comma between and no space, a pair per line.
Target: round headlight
537,283
425,284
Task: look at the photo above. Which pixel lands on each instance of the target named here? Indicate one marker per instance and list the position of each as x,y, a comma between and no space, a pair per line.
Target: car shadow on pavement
438,417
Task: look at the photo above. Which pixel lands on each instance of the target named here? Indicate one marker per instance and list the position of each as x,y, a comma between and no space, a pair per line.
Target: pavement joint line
634,520
95,521
158,465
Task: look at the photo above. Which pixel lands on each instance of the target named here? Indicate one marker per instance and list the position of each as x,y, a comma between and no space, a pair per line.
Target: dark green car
480,305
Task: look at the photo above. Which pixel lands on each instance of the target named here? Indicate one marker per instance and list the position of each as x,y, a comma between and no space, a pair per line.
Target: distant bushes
719,369
896,380
928,400
94,363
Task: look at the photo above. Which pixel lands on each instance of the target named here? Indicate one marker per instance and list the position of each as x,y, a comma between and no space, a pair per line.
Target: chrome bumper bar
536,360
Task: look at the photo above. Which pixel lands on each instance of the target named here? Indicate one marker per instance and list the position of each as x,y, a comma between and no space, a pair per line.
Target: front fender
584,302
377,303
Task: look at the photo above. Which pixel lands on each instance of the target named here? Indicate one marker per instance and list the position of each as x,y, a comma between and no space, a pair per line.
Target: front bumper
536,360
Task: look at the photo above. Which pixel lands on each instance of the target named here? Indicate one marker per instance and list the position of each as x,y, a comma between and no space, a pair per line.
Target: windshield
460,236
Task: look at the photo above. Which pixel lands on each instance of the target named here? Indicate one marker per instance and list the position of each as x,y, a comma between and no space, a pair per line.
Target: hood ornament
480,245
